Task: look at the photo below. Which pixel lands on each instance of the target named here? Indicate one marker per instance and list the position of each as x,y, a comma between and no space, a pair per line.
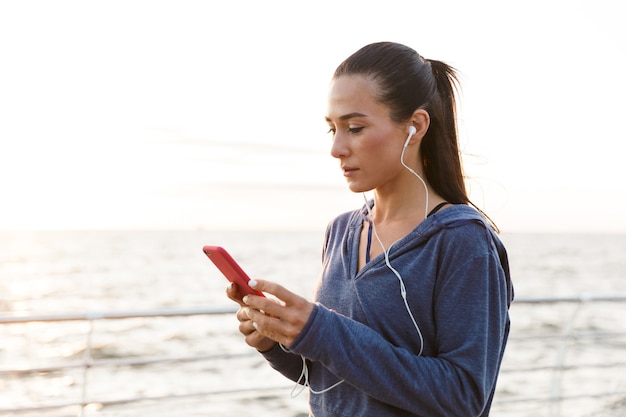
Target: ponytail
440,150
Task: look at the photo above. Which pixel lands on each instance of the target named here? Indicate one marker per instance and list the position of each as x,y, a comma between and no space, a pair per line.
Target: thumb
274,289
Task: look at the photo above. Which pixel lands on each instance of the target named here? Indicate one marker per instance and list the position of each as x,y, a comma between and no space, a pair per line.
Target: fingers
281,322
246,325
280,330
264,321
251,336
232,292
287,306
273,288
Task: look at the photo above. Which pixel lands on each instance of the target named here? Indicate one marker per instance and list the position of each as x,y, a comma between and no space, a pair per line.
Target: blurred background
192,114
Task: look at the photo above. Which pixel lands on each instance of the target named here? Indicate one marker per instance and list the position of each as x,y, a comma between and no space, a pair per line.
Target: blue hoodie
458,289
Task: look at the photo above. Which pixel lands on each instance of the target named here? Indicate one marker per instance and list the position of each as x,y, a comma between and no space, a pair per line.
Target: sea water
90,271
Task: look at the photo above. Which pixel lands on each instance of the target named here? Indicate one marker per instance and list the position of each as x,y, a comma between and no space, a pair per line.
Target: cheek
382,150
382,161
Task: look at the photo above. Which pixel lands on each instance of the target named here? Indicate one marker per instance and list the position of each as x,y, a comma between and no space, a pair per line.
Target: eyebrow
348,116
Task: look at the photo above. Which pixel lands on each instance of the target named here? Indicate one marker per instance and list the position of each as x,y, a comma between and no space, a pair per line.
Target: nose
340,147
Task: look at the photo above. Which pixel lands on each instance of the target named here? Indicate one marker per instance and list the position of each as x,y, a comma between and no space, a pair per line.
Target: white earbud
412,131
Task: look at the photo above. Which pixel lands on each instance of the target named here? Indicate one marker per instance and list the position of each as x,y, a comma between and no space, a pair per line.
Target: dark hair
407,82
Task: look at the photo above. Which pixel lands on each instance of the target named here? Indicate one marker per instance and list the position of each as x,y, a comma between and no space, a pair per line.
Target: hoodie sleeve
471,317
285,362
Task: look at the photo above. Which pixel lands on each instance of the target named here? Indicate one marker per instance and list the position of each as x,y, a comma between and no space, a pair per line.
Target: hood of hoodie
451,221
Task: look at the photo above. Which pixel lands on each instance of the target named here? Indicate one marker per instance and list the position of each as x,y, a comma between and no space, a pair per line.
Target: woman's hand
246,327
280,321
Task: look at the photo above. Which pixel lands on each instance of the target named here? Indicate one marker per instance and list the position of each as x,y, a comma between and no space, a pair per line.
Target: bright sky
181,114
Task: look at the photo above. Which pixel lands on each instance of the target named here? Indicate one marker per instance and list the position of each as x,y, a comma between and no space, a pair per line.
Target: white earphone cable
416,175
304,376
397,274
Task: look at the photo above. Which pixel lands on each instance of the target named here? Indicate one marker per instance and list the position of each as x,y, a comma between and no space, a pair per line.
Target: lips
348,171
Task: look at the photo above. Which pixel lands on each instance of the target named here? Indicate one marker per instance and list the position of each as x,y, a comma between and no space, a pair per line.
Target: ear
421,121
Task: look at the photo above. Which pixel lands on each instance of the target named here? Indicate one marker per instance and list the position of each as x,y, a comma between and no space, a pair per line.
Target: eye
355,129
332,130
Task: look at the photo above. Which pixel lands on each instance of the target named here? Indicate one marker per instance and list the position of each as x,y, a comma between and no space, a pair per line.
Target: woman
411,311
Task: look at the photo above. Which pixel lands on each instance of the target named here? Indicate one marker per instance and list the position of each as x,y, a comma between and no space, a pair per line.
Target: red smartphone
231,269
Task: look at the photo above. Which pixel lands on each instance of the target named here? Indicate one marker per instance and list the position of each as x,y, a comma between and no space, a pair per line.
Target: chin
356,188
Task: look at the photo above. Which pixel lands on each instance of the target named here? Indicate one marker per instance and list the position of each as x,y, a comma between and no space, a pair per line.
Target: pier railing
560,360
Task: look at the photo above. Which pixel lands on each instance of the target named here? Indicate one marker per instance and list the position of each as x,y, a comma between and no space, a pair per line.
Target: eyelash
352,130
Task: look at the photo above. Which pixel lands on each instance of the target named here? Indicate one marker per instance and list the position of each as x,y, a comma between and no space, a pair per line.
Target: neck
401,202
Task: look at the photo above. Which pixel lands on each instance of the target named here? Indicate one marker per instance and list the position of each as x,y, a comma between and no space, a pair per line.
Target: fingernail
252,283
247,311
229,286
255,325
245,299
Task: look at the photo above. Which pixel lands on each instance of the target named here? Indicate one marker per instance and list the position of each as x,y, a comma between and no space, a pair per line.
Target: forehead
353,93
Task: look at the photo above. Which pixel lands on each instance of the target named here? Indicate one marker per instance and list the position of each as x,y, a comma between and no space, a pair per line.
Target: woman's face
367,143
